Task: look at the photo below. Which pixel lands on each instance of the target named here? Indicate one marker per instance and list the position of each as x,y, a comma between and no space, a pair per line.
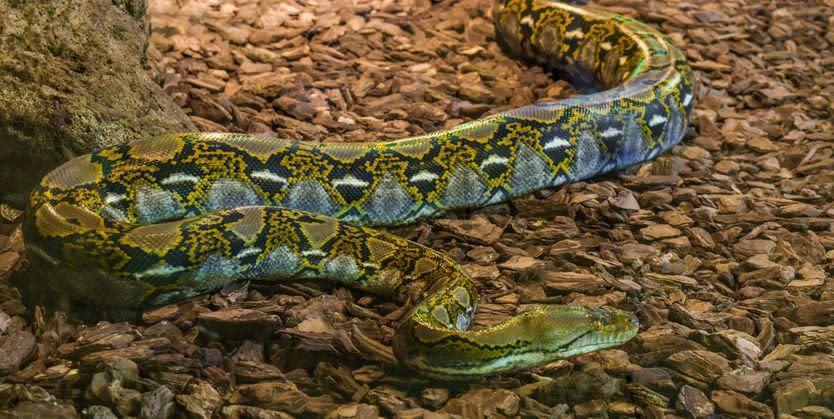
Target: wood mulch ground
723,247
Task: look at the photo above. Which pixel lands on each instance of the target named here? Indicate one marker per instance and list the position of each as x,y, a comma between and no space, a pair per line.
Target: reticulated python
154,221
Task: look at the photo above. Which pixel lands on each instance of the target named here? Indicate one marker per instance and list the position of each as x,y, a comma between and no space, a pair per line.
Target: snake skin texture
155,221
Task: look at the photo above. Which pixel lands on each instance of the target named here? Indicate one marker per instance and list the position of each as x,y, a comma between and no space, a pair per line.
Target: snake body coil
154,221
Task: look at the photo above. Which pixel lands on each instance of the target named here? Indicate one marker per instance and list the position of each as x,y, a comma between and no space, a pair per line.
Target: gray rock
125,401
5,322
121,369
71,81
98,412
15,350
157,404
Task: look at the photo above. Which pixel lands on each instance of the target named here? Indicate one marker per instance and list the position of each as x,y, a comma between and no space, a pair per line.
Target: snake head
574,330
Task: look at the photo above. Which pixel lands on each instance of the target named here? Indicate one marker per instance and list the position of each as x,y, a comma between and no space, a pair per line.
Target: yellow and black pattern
150,222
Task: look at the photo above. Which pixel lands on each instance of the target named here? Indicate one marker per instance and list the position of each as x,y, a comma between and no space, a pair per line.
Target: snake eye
597,326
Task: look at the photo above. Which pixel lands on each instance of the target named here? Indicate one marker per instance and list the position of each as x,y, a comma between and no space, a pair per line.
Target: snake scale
154,221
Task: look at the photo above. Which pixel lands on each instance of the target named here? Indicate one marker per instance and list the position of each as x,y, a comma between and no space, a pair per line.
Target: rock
481,272
238,323
135,352
779,358
794,395
659,231
10,393
568,282
390,400
657,349
814,412
614,361
476,93
326,307
635,252
484,403
41,410
9,262
200,400
15,350
813,313
694,402
157,404
520,263
727,167
354,410
625,201
168,312
657,379
237,411
737,345
483,254
248,371
695,153
5,322
732,403
591,409
754,247
420,413
434,397
591,382
742,324
272,395
744,380
98,412
107,385
476,230
646,396
619,409
125,401
73,84
701,366
121,369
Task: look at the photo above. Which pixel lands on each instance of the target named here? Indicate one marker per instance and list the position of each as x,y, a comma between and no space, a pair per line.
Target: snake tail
155,221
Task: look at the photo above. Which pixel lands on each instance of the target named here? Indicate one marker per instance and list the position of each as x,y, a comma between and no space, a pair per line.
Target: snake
158,220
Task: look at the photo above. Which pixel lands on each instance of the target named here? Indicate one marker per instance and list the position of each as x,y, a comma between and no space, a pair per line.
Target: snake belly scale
154,221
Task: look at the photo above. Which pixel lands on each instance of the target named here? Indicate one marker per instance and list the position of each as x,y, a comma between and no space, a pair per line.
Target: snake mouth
593,341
